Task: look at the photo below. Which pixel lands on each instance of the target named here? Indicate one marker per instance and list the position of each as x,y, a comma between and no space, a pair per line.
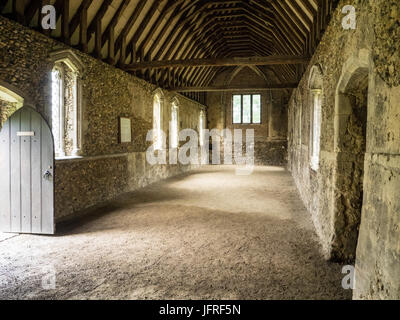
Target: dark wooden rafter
185,72
18,7
80,19
65,32
31,10
143,25
168,7
120,44
3,3
95,27
109,34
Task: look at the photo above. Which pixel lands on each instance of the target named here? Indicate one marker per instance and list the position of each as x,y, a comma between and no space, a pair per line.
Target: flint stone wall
376,38
107,168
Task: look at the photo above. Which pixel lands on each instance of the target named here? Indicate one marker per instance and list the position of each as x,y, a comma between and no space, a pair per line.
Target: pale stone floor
209,234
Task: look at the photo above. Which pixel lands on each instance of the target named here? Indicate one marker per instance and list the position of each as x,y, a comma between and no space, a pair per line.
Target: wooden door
26,174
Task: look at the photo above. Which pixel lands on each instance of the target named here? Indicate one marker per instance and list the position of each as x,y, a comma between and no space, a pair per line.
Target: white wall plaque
26,134
125,129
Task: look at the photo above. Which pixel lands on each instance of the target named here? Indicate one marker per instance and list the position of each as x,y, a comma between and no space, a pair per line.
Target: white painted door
26,174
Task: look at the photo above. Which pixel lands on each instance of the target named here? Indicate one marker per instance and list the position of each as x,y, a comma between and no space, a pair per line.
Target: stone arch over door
11,99
28,101
351,115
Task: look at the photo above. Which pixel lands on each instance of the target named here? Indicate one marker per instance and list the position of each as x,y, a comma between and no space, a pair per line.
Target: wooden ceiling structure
182,45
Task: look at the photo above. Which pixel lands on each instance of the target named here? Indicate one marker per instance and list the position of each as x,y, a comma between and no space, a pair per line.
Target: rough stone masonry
360,71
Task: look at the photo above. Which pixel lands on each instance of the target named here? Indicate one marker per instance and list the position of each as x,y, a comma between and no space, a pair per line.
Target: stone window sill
68,158
314,164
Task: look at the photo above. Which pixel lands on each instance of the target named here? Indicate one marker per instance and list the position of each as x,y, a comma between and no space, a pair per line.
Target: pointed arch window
316,129
66,103
57,118
202,126
157,123
174,125
316,90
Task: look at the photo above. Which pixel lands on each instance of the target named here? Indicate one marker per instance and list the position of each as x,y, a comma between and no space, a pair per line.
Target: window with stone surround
299,109
316,91
202,126
316,129
174,125
246,109
66,104
157,123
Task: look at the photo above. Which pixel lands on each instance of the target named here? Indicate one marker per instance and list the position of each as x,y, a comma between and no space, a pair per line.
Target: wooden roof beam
251,61
77,18
234,88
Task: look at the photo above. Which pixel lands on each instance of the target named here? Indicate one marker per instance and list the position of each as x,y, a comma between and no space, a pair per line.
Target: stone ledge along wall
270,146
108,168
378,248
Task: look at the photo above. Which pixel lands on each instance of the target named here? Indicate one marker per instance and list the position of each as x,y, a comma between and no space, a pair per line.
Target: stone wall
271,135
348,58
91,181
107,168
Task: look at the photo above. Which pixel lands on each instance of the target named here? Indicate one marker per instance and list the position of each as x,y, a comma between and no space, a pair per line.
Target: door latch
47,175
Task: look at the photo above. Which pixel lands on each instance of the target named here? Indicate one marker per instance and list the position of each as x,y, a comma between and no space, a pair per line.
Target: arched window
66,104
174,135
315,85
157,121
299,109
57,107
202,123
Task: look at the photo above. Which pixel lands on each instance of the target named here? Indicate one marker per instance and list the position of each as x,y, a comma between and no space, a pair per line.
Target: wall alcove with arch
351,120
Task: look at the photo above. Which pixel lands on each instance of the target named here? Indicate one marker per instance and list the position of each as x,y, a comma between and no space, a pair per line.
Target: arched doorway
350,146
27,169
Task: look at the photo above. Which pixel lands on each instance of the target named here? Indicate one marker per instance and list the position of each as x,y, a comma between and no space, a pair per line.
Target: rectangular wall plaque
125,129
26,134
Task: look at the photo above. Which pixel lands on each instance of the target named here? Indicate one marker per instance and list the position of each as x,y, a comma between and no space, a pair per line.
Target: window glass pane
157,124
257,108
57,105
317,125
201,131
247,109
174,127
237,109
